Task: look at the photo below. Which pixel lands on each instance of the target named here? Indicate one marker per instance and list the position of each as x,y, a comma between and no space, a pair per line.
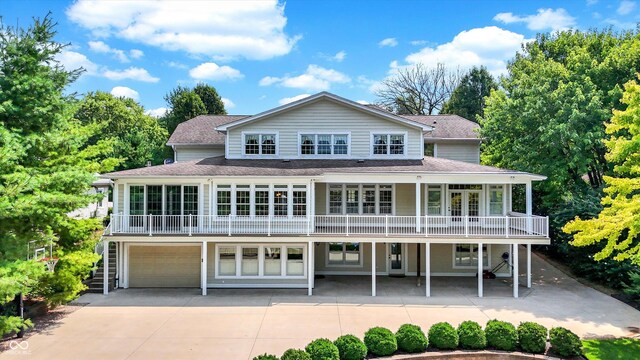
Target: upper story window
360,199
324,144
260,144
388,144
429,149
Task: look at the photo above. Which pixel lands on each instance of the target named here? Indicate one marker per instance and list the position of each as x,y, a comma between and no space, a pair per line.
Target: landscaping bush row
529,337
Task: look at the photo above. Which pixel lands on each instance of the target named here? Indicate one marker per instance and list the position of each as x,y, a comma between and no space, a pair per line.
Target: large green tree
618,224
138,137
468,99
185,103
210,98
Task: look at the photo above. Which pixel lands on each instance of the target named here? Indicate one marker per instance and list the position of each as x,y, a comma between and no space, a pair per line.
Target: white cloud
158,112
284,101
391,42
363,102
228,104
72,60
544,19
221,29
419,42
315,78
625,25
136,54
339,56
132,73
177,65
591,2
212,71
123,91
490,46
103,48
626,7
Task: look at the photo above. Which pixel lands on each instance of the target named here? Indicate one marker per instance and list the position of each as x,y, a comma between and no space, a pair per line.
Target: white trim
260,133
323,156
344,252
404,263
238,259
389,155
485,267
360,198
203,268
256,286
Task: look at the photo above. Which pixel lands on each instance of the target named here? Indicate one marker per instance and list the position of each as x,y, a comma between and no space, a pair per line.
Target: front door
396,259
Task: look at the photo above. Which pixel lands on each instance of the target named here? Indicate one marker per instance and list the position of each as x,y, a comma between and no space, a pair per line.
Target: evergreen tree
468,99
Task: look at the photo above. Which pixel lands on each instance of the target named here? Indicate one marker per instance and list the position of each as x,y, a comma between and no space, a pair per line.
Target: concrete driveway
239,324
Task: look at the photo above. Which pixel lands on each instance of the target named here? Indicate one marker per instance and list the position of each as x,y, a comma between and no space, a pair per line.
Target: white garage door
164,266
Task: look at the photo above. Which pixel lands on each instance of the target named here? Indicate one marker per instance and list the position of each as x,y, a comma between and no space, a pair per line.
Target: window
496,205
227,261
136,200
353,201
191,200
465,187
249,261
466,255
262,200
368,199
252,261
335,199
259,144
434,200
299,202
386,199
344,254
280,201
224,200
272,261
154,199
360,199
243,200
429,149
324,144
388,144
173,198
295,261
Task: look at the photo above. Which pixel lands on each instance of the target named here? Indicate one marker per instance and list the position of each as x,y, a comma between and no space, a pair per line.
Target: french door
464,203
396,258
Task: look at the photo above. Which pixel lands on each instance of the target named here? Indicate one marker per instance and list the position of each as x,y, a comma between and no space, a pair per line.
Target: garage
164,266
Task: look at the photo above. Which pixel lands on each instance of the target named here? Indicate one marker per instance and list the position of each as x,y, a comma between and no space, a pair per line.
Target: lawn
620,349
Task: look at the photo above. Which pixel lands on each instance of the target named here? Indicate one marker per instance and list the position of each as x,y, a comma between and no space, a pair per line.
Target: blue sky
262,54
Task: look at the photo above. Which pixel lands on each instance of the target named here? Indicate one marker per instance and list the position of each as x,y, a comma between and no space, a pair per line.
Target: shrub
411,338
295,354
322,349
501,335
532,337
564,342
471,335
380,341
443,336
266,357
350,348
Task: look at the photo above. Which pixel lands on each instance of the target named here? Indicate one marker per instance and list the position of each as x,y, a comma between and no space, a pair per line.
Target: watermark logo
19,347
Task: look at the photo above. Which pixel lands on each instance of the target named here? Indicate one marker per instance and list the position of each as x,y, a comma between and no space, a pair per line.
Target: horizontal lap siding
325,116
187,153
460,151
381,259
442,258
120,199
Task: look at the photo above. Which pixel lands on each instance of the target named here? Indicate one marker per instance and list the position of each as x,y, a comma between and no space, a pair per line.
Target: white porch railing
518,225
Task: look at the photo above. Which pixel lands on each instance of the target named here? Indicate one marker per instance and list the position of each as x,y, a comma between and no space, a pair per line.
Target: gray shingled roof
219,166
447,126
202,130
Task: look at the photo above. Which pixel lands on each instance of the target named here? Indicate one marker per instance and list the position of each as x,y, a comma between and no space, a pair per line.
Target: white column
203,268
427,269
480,290
515,270
125,264
105,267
529,265
373,269
313,264
310,268
120,264
418,206
529,198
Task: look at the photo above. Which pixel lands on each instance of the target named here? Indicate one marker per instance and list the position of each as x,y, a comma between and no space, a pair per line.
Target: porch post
310,274
427,269
515,270
529,265
373,268
480,269
120,263
105,267
529,209
418,205
203,268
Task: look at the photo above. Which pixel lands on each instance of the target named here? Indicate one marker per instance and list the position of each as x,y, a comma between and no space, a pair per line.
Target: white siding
325,116
462,151
120,199
185,153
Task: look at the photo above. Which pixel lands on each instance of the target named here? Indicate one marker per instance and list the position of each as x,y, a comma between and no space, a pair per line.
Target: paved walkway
239,324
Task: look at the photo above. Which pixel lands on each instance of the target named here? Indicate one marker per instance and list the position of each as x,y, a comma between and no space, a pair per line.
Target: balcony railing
517,225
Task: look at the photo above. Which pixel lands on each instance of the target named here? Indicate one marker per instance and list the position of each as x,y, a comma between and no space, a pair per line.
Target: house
100,208
323,185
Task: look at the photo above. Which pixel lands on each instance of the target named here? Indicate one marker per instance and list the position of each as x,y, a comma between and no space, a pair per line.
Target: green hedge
295,354
380,341
532,337
471,336
323,349
564,342
411,339
443,336
350,348
501,335
266,357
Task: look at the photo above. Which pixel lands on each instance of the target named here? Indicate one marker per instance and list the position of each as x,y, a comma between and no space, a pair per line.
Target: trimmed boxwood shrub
350,348
322,349
443,336
471,336
266,356
411,338
501,335
564,342
532,337
295,354
380,341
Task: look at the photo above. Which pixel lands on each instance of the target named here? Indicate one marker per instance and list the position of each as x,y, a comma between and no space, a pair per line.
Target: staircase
95,284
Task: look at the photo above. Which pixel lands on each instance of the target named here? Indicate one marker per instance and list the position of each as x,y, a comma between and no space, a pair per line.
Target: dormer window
388,144
324,144
260,144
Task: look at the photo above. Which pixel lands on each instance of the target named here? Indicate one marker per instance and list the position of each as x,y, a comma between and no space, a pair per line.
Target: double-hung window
243,200
496,203
260,144
434,200
466,255
324,144
223,199
388,144
360,199
344,254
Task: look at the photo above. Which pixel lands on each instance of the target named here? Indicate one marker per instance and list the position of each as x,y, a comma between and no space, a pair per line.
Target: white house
323,185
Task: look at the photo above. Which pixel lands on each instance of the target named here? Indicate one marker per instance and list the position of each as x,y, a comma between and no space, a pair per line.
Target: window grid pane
251,145
295,261
136,200
154,199
249,261
272,263
243,202
280,207
268,144
262,203
335,199
299,203
227,263
224,202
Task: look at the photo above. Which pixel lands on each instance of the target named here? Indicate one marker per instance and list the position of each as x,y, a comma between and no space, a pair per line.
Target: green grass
618,349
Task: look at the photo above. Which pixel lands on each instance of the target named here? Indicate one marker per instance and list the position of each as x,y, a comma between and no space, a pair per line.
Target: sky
262,54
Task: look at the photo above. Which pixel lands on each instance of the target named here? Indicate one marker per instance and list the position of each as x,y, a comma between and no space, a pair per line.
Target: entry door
473,204
396,258
456,200
462,203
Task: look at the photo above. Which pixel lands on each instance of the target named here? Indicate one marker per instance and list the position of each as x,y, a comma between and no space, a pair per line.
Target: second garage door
164,266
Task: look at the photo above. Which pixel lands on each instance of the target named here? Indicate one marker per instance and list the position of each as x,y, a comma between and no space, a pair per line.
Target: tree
138,137
184,104
418,90
468,99
212,101
619,221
